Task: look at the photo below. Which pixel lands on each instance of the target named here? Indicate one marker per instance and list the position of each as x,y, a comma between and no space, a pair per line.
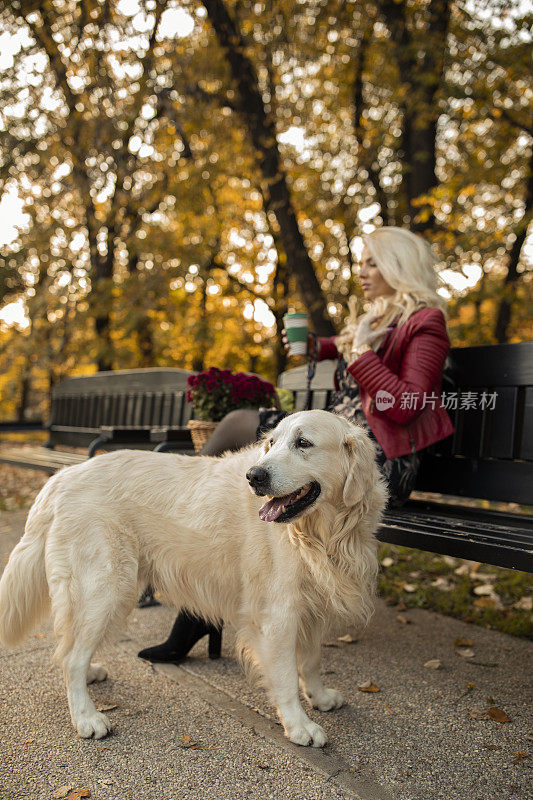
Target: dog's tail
24,598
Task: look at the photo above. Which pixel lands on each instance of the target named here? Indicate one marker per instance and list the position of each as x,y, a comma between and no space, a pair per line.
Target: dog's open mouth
283,509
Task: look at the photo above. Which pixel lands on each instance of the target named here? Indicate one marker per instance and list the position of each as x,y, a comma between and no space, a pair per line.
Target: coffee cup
296,331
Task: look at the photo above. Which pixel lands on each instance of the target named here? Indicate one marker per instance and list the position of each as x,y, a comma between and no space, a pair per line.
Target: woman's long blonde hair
407,263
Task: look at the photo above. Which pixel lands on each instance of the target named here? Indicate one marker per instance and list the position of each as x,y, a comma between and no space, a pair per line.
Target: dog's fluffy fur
100,531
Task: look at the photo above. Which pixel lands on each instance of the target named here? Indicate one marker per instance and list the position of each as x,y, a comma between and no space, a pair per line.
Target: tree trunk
146,342
100,298
365,156
262,131
145,339
281,294
198,363
421,68
24,395
503,317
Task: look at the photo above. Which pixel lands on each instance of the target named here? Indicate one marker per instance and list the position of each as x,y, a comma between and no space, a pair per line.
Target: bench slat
483,532
40,458
525,448
453,545
471,544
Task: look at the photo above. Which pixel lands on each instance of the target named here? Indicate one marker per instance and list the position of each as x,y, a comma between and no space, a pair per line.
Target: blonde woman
388,379
391,358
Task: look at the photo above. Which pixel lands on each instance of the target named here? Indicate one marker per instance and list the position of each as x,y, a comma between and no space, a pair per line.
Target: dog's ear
361,466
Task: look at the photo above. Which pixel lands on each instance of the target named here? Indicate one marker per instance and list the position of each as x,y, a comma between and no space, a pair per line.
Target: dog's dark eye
301,442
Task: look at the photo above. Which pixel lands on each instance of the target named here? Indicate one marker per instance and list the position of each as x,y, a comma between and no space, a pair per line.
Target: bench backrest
490,455
127,398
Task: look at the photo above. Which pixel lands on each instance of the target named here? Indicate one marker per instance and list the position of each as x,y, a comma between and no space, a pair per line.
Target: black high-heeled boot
186,631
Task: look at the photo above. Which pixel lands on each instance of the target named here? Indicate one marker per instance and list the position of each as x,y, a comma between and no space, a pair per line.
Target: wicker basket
200,430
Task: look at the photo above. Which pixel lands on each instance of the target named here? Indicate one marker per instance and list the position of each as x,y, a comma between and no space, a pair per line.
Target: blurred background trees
188,171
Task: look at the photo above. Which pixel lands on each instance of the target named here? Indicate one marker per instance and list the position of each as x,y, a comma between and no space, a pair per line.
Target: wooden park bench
490,457
140,408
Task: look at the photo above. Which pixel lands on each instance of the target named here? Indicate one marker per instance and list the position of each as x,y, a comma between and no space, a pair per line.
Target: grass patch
493,597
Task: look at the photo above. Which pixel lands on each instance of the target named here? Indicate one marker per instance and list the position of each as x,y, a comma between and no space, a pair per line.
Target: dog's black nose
258,478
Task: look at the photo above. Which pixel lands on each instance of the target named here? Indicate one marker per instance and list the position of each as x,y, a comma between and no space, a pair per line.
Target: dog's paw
326,700
95,725
309,733
96,673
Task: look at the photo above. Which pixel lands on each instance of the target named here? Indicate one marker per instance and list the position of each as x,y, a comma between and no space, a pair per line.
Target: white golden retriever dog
281,571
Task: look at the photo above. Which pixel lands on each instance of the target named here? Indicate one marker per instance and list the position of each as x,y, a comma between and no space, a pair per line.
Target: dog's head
312,454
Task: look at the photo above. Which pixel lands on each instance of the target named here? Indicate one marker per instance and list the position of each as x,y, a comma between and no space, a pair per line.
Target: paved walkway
425,735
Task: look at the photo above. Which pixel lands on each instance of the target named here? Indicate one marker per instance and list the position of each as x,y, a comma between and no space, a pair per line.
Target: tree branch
366,158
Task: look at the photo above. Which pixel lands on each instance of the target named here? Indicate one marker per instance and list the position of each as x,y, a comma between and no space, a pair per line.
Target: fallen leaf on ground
106,705
485,602
498,715
433,663
463,643
464,569
368,686
478,713
401,607
389,709
346,638
403,620
408,587
484,589
186,741
468,688
28,741
263,766
449,560
519,757
465,652
76,794
524,604
387,562
62,791
443,584
492,746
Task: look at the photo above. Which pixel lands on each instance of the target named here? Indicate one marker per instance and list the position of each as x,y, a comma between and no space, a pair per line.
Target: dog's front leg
319,696
276,651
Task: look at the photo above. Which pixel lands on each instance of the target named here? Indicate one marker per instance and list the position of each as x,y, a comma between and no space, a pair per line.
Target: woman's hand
365,334
311,342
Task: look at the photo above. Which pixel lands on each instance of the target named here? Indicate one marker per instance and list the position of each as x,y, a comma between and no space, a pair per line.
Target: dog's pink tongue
275,507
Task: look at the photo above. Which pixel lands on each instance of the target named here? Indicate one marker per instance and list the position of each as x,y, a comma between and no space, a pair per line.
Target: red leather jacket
400,385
